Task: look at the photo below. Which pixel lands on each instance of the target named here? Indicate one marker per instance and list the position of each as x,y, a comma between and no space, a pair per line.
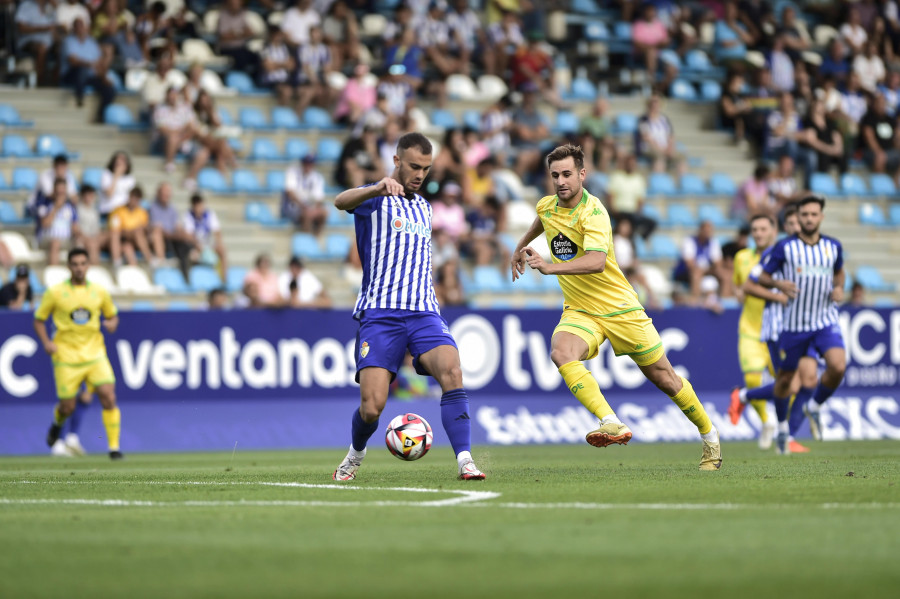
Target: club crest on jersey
364,349
80,315
563,247
402,225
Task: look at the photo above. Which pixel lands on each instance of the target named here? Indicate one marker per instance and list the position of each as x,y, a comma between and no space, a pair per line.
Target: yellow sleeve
597,231
108,307
115,220
48,302
740,262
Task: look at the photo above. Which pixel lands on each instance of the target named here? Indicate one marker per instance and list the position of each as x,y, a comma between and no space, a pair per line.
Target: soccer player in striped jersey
812,276
804,382
397,309
599,304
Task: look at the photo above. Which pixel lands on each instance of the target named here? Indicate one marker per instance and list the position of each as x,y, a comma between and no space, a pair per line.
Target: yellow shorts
630,334
70,377
754,355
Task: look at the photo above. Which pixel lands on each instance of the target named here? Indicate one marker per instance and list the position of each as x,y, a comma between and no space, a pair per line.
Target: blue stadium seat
338,218
16,146
669,56
244,181
120,115
679,215
683,90
871,214
585,7
661,184
296,148
853,185
8,215
209,179
49,146
171,280
285,118
652,211
596,31
91,176
582,89
443,118
697,60
225,116
9,117
337,246
264,150
870,278
566,122
713,214
243,84
236,144
472,119
4,186
721,184
622,31
307,247
626,123
894,212
318,118
692,184
663,247
251,117
328,149
882,185
24,178
259,212
823,183
204,278
488,279
179,306
711,90
142,306
234,278
275,181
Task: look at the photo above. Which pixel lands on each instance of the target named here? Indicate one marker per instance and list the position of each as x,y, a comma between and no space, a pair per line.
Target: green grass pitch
560,521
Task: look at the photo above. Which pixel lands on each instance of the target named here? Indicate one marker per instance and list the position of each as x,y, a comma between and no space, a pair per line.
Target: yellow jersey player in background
77,348
753,353
600,304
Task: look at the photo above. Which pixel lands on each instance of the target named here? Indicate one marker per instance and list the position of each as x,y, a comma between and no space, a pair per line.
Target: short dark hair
565,151
414,140
136,191
60,159
88,188
756,217
112,161
196,199
76,252
790,210
811,199
760,171
60,181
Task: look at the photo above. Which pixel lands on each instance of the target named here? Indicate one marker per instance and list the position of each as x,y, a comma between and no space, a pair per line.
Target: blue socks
455,418
361,431
796,417
781,408
764,392
73,424
823,393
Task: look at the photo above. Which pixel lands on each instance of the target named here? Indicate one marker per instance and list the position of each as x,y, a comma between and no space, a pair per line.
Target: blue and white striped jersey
773,313
812,269
393,235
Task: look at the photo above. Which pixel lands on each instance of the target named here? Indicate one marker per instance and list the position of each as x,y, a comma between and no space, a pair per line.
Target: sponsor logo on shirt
563,247
80,316
402,225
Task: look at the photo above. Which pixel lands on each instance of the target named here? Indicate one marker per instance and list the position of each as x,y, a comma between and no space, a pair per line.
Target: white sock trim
357,454
742,395
711,437
610,418
462,457
812,405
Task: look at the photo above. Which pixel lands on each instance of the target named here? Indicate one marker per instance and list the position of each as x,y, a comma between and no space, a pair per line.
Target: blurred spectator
397,90
796,36
784,129
506,37
781,65
701,257
834,63
649,35
352,270
164,222
209,132
202,229
479,183
753,196
878,137
276,66
597,140
626,192
448,213
655,137
233,32
467,36
530,129
852,109
315,62
68,11
359,162
57,222
783,184
90,234
387,146
531,65
262,284
83,63
891,92
496,125
304,194
447,285
17,293
116,182
434,39
869,67
44,190
356,98
297,22
341,30
109,21
300,288
159,82
36,27
476,150
821,142
217,299
129,229
803,91
194,84
626,258
404,61
732,247
857,297
375,117
482,244
130,52
733,108
762,98
731,36
853,33
449,163
175,130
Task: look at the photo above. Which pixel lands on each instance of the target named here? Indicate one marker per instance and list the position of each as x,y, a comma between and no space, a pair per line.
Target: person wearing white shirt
202,229
153,92
301,288
298,21
304,193
116,183
44,189
870,68
71,10
853,33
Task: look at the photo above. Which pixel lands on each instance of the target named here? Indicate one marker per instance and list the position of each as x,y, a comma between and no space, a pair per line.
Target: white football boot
61,450
468,471
347,469
74,444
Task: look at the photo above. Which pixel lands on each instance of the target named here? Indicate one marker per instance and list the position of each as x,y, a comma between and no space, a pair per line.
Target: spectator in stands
303,199
153,24
203,231
164,222
530,129
783,184
732,37
596,136
209,132
753,196
784,129
857,297
781,66
496,126
506,37
356,98
445,261
763,99
83,63
352,270
57,222
261,284
359,162
821,143
397,90
376,117
482,243
300,288
175,130
109,22
233,32
796,37
869,67
194,84
44,190
276,66
18,293
387,145
891,92
479,183
217,299
849,113
448,213
733,108
68,11
853,33
130,53
90,236
834,64
434,39
626,258
129,229
532,65
297,22
879,139
649,35
625,193
655,137
315,62
36,28
341,30
701,257
803,91
404,60
450,163
116,182
467,37
153,92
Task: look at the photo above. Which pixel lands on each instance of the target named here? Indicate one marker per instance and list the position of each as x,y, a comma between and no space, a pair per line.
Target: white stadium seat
492,87
19,248
461,87
133,279
101,276
55,274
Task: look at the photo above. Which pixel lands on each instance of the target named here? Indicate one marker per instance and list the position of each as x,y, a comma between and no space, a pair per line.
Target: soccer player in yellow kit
77,349
753,353
599,304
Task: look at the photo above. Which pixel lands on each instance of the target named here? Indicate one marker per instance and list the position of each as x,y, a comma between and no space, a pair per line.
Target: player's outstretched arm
757,290
111,324
351,198
591,263
517,262
786,287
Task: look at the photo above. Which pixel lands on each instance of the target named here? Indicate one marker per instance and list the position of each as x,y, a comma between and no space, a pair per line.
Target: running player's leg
835,366
791,347
68,379
72,426
100,376
803,387
741,396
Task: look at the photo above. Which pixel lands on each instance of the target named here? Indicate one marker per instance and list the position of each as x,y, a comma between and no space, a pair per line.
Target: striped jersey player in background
397,309
812,276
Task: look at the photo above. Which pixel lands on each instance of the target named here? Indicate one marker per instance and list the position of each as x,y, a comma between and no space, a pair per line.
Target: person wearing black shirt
14,294
821,143
877,138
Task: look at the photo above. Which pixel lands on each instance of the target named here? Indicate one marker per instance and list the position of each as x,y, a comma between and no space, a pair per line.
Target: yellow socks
752,380
111,421
688,402
584,387
58,418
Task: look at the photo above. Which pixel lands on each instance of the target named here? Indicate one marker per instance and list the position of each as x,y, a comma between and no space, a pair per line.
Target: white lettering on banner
880,375
291,352
858,353
168,364
546,373
479,349
874,407
134,369
230,350
198,351
266,374
513,346
329,376
895,337
17,346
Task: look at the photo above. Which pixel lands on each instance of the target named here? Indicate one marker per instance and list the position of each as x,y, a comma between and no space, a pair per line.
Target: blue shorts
775,355
385,335
793,346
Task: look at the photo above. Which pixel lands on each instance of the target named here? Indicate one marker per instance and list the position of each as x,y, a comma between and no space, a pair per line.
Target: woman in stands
209,125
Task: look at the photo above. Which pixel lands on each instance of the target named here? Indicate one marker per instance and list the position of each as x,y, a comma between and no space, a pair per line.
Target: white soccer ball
408,437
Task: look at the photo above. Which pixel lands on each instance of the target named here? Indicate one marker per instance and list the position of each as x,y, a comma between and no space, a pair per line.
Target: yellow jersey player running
77,348
600,304
753,353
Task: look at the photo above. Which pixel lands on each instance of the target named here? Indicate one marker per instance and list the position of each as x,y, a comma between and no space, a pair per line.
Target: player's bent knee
561,357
